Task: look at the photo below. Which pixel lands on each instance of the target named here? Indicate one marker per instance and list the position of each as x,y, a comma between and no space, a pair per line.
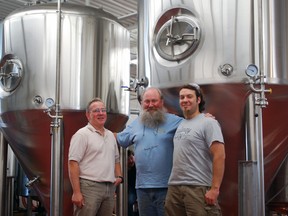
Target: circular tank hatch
177,34
11,72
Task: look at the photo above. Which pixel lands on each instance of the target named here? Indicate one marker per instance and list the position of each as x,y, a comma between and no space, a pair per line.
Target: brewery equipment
55,59
236,51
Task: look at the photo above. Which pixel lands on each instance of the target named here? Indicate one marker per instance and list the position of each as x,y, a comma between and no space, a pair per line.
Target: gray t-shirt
192,160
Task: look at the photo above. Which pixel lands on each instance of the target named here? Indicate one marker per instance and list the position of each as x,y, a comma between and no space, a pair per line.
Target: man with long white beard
152,136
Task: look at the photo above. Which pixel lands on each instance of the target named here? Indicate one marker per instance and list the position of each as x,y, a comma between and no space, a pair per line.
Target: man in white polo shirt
94,164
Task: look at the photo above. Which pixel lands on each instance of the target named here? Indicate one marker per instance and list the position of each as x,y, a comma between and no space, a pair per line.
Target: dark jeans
132,199
151,201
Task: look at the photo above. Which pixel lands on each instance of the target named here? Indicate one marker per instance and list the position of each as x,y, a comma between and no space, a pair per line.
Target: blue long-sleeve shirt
153,150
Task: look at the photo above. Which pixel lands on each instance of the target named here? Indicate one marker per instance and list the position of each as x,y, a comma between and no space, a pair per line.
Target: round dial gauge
251,70
49,102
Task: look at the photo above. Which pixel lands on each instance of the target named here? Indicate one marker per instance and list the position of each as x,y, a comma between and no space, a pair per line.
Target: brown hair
195,87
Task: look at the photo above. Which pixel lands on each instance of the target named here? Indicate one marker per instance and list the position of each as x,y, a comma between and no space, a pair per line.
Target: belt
101,182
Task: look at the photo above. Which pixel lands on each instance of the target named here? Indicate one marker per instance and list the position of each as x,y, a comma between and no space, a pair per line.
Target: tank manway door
11,72
177,34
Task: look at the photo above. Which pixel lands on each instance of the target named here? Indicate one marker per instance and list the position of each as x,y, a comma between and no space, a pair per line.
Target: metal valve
136,84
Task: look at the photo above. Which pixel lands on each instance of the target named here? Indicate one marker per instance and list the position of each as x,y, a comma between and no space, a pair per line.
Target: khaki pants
98,198
187,200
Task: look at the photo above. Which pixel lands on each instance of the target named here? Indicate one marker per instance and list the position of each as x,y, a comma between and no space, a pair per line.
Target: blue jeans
132,198
151,201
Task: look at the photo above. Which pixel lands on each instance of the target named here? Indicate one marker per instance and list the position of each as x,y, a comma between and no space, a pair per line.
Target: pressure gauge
49,102
251,70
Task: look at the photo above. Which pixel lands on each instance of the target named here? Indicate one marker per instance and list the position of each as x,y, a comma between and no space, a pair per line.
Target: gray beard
153,120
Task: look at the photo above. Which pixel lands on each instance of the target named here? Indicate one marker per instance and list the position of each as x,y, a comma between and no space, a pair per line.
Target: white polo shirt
96,154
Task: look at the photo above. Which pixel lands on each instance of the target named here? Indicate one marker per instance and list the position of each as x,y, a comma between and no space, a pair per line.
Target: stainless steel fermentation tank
217,44
94,62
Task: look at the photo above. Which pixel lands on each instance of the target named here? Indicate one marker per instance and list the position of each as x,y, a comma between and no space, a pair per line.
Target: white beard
154,119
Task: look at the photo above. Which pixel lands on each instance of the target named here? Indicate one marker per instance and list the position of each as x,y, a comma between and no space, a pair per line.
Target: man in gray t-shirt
198,160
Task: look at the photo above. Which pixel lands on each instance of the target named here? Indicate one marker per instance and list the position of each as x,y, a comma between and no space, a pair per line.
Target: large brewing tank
212,43
95,56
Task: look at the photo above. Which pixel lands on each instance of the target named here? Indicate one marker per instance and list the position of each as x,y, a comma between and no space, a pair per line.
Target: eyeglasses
98,110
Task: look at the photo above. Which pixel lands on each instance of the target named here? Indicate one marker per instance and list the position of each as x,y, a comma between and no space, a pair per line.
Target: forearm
218,153
218,172
74,176
74,171
118,171
118,174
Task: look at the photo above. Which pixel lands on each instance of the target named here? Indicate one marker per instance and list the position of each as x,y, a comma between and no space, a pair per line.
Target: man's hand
211,196
209,115
78,200
118,181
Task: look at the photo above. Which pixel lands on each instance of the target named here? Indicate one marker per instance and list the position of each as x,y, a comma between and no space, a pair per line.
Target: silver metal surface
248,181
124,11
31,33
57,135
231,34
227,38
177,35
234,34
93,62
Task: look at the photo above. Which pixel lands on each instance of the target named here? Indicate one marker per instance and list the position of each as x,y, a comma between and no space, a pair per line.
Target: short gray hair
92,101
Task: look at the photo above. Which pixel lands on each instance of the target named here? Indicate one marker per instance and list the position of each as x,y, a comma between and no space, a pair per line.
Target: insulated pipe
57,142
122,196
56,188
254,129
260,156
263,60
250,130
251,171
58,58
